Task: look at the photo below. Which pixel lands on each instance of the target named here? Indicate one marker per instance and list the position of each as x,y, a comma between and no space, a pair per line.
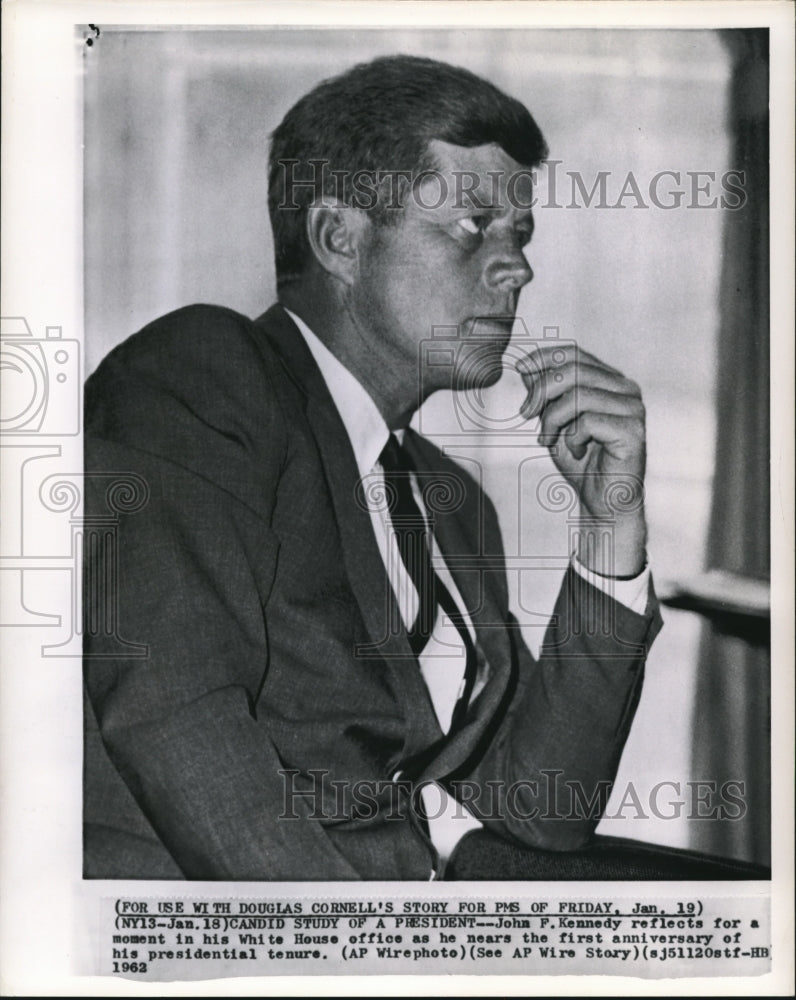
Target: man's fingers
576,449
578,402
546,384
556,353
615,433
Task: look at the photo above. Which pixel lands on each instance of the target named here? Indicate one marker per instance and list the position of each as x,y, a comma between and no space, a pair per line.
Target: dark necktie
411,534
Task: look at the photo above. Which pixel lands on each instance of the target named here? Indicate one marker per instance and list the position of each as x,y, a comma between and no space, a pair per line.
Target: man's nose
509,270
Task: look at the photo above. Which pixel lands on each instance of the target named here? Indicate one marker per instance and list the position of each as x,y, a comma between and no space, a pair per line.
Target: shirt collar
364,424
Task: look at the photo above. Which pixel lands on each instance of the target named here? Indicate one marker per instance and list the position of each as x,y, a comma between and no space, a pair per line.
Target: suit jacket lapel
363,562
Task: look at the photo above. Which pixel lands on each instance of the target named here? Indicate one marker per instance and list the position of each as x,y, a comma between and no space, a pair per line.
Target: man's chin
482,367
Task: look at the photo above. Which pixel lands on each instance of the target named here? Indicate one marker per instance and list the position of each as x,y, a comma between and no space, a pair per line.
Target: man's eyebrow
474,207
480,200
469,201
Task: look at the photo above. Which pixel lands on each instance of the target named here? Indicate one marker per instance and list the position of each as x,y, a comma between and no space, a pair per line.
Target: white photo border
42,912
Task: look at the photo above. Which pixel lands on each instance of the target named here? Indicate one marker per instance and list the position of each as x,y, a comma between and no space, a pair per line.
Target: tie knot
393,457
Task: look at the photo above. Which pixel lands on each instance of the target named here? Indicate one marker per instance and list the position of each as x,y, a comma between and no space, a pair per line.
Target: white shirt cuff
632,593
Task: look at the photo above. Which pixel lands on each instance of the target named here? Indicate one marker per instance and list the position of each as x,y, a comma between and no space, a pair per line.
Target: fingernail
527,410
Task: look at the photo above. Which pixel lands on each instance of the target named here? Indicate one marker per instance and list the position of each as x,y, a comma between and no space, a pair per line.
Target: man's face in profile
454,258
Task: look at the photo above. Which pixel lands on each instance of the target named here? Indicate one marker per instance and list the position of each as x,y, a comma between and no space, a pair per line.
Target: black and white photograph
280,584
409,478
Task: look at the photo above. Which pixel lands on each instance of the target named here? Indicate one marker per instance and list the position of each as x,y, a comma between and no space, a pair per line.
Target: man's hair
378,119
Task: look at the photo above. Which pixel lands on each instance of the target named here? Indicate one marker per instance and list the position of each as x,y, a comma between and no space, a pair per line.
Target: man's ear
335,233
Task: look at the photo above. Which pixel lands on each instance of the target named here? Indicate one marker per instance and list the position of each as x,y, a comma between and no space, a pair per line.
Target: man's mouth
484,324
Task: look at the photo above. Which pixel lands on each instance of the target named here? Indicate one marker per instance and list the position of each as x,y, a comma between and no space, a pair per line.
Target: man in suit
334,687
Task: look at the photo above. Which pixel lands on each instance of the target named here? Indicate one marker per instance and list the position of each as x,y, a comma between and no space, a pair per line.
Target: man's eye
474,224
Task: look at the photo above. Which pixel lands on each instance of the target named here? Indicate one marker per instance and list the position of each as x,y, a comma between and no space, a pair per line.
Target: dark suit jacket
254,579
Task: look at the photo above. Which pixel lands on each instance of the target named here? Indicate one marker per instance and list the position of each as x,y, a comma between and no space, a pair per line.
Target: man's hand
592,419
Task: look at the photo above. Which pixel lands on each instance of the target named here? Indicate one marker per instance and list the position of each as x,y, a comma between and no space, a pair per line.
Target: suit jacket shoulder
196,388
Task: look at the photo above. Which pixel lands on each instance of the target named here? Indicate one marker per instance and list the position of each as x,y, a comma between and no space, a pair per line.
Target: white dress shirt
442,662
